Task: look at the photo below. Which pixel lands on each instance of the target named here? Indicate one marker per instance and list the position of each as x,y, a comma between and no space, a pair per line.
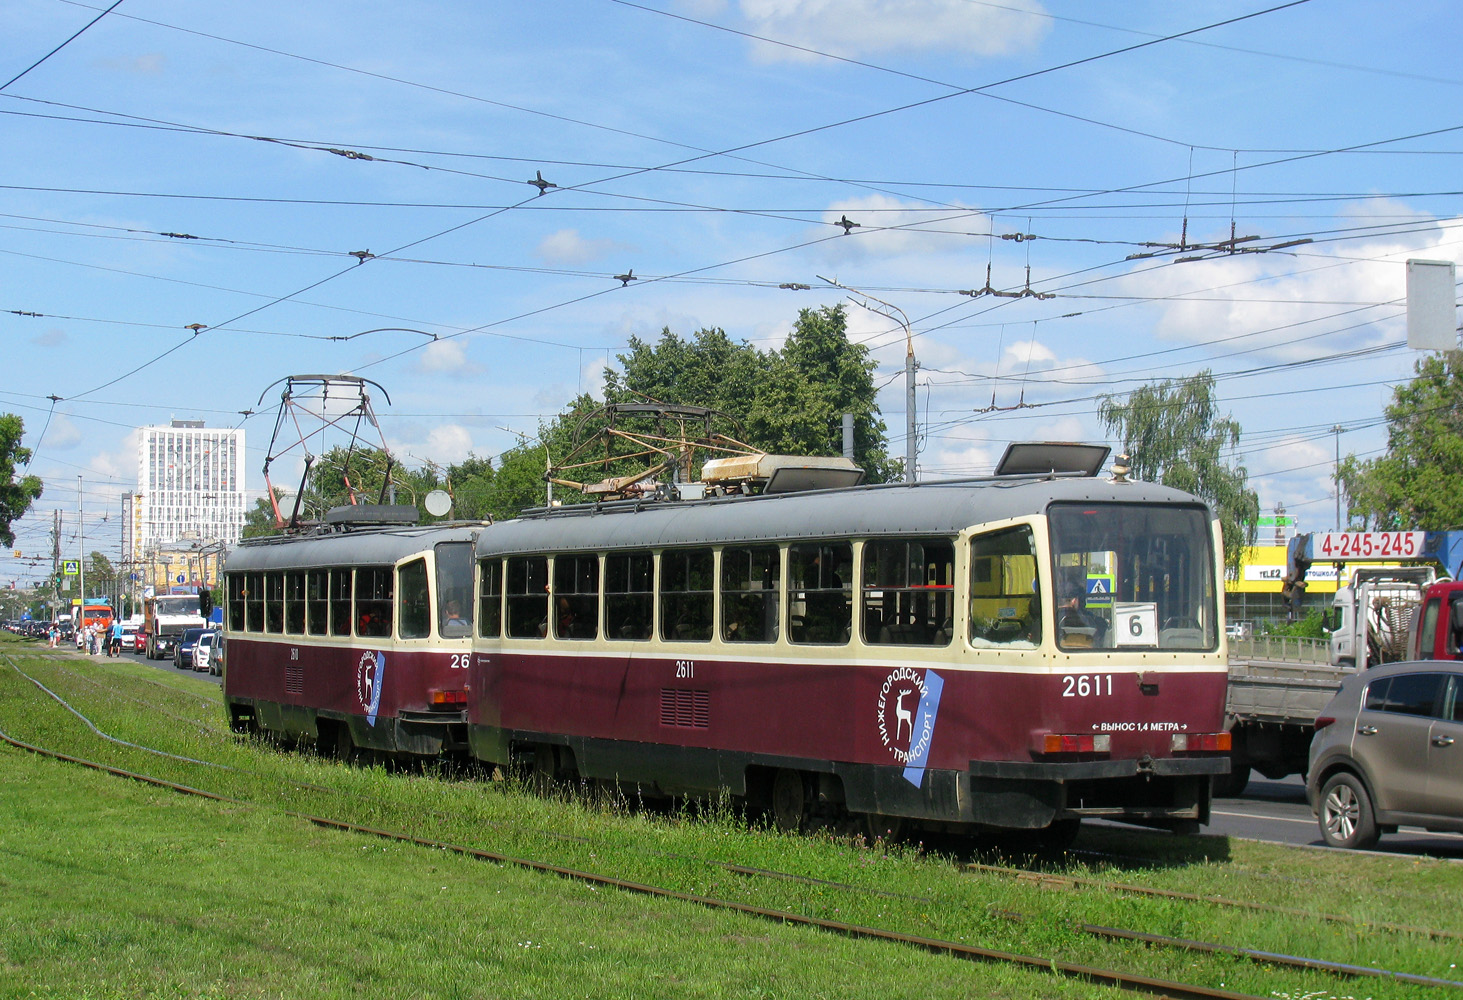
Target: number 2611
1086,685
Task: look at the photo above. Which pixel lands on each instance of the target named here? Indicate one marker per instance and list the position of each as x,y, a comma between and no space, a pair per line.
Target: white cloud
61,434
567,247
1287,300
888,227
867,27
447,357
448,444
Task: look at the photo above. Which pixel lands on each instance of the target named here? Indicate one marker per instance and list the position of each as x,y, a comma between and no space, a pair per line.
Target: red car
133,639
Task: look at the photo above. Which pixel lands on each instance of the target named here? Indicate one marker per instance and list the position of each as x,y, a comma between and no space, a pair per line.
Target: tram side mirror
205,602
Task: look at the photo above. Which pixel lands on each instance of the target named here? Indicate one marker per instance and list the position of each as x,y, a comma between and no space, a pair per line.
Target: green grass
117,889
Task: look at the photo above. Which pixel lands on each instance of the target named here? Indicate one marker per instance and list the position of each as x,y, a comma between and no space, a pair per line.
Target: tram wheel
545,774
345,747
879,827
790,805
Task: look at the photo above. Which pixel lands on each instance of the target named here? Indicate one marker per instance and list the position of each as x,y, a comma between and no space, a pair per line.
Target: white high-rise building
190,485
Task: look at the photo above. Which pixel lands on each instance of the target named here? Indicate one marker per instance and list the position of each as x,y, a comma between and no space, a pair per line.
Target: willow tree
1173,434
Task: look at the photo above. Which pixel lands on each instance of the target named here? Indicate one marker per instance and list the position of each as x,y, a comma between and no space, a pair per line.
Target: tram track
1048,880
1128,981
955,948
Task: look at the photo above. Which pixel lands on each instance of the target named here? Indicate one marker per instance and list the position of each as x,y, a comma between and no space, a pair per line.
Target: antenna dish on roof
437,502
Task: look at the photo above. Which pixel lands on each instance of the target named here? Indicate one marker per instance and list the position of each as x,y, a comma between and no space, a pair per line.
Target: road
1277,811
168,666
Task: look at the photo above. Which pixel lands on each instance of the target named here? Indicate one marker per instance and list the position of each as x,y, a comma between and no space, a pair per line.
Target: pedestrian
114,647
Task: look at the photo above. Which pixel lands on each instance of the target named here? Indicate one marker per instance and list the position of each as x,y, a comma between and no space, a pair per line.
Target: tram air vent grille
685,709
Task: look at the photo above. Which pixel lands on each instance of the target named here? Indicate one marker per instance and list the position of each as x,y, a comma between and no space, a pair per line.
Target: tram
356,634
1013,652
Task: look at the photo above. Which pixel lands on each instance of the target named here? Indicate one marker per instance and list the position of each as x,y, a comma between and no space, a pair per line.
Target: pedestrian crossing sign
71,567
1099,591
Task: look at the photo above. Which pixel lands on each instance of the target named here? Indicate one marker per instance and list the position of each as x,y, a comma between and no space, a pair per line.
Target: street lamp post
911,436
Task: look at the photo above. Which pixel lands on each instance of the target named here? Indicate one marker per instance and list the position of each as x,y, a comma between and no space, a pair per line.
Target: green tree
470,482
16,495
1173,434
1415,484
790,401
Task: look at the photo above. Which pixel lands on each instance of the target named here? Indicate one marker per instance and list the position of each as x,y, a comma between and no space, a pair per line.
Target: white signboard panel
1135,624
1432,305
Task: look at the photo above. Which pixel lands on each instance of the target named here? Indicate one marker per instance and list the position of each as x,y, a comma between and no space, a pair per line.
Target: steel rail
1039,878
1271,957
1050,881
1131,982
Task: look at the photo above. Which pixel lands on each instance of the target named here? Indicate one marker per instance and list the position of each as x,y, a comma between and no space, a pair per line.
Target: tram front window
454,589
1135,576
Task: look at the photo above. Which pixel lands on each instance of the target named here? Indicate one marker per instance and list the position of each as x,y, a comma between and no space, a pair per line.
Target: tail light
1212,742
1074,743
1324,721
448,699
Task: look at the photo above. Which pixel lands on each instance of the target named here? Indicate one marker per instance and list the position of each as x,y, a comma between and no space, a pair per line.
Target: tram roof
361,547
930,508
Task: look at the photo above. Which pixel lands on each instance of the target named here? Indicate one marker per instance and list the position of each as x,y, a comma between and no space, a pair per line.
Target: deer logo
903,716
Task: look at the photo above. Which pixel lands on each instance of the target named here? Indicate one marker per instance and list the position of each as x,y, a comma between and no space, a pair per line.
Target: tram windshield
454,589
1133,576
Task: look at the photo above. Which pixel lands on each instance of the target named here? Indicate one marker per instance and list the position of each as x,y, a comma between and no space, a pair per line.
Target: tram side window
686,589
274,602
373,602
415,614
528,596
629,595
294,602
908,592
236,602
317,601
490,599
1005,596
576,596
254,601
749,593
340,602
820,609
454,589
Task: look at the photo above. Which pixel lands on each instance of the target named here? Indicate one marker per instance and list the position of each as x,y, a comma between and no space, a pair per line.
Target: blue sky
712,146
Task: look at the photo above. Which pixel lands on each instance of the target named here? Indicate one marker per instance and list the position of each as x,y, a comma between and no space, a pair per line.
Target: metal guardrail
1281,647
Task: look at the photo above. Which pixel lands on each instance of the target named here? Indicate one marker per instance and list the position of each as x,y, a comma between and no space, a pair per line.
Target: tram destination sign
1367,545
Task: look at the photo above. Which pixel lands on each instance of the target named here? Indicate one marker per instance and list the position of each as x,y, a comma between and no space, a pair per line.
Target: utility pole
80,549
1337,474
55,601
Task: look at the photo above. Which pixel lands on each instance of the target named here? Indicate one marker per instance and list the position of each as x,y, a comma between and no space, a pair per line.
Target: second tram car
357,635
1013,652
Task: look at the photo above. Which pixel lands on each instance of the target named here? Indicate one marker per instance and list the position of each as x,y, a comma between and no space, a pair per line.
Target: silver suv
1388,751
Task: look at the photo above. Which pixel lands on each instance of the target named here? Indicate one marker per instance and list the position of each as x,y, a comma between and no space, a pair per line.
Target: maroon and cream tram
357,634
1012,652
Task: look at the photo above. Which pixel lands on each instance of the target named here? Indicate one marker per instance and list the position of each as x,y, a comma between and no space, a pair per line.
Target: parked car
203,649
1388,751
183,651
139,641
130,635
